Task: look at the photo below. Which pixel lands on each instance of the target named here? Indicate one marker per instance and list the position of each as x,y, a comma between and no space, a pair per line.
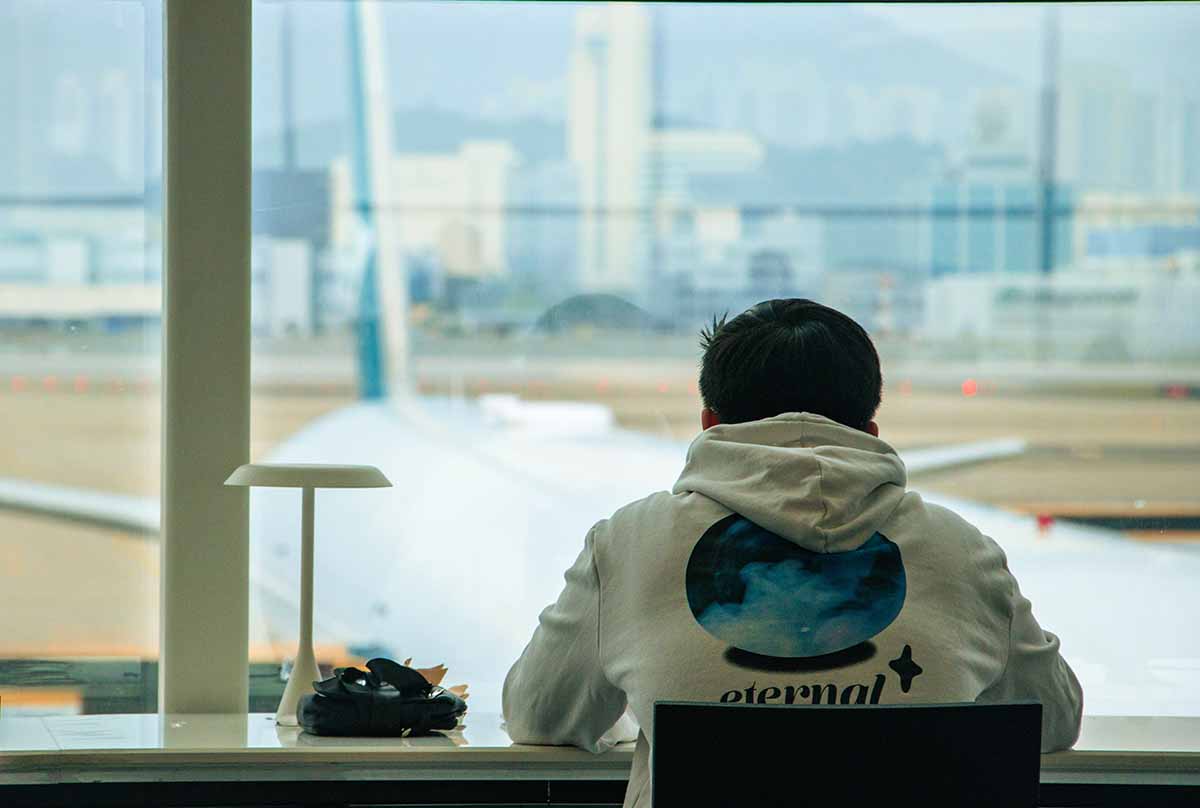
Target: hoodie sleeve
557,693
1036,671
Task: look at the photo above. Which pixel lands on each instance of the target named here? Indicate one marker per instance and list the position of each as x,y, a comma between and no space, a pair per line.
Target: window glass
80,292
486,236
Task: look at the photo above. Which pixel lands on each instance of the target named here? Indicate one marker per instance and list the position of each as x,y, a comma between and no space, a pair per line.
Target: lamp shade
308,475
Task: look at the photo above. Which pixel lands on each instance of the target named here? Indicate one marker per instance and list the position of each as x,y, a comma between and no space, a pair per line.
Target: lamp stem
306,570
304,669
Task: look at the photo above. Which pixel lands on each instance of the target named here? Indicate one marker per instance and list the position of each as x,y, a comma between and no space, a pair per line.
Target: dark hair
790,356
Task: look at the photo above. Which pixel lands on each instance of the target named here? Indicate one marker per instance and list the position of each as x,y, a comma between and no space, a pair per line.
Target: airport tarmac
1098,448
74,590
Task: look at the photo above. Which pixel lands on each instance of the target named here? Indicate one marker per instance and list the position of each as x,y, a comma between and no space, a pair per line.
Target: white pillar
206,356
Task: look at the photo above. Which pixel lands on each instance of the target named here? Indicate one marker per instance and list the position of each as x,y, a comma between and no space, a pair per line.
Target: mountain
428,129
887,172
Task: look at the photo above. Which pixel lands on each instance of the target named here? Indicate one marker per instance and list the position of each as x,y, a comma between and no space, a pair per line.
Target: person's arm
556,693
1036,671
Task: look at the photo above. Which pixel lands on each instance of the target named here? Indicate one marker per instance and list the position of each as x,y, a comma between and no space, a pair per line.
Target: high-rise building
118,137
679,155
23,96
451,205
1112,137
717,258
80,121
892,111
543,225
1189,133
608,133
1177,149
788,108
985,211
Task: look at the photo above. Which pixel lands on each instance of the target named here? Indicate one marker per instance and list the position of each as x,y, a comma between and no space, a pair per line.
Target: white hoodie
788,565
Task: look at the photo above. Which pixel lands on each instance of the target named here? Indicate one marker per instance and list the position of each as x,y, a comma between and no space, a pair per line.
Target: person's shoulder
950,520
660,510
647,507
946,525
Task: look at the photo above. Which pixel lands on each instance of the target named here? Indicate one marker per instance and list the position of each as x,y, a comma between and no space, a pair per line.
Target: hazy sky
1144,41
475,55
508,61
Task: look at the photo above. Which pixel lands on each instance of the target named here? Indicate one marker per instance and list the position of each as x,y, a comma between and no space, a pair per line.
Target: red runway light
602,386
1045,521
662,387
1177,391
970,387
906,388
81,384
50,383
19,383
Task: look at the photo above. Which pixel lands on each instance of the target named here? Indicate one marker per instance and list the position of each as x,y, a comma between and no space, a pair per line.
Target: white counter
156,748
152,748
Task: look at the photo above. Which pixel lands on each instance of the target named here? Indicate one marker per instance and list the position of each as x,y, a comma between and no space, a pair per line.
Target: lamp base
304,673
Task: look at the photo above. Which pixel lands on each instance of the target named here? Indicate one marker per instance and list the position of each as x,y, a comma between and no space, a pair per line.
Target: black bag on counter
387,699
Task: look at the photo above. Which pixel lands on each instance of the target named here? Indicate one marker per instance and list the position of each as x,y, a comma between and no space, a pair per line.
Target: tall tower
608,131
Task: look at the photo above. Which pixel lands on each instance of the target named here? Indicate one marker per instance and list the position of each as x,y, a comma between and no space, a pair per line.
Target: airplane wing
139,516
961,454
133,514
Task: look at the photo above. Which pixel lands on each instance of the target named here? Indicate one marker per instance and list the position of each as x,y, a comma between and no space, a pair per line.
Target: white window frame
204,652
205,580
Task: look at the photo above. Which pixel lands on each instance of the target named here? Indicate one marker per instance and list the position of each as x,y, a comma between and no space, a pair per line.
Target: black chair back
709,755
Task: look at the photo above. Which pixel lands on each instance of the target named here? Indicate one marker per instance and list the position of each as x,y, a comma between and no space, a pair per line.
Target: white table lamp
308,477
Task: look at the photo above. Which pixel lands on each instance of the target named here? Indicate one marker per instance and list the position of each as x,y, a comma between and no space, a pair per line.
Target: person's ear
708,418
872,429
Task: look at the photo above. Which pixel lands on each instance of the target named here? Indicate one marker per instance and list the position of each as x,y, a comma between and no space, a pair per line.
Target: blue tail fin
371,351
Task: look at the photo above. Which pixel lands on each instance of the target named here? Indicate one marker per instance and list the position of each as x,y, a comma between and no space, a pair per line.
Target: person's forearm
556,692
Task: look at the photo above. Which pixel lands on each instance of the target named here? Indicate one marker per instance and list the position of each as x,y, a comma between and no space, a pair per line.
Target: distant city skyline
680,159
839,84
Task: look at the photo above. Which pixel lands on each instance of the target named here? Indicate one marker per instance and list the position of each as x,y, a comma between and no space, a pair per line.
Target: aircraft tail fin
382,350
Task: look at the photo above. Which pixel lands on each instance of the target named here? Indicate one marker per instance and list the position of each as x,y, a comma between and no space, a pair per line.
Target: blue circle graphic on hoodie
764,594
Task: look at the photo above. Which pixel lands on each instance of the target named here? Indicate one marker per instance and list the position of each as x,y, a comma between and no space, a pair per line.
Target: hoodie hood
825,486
